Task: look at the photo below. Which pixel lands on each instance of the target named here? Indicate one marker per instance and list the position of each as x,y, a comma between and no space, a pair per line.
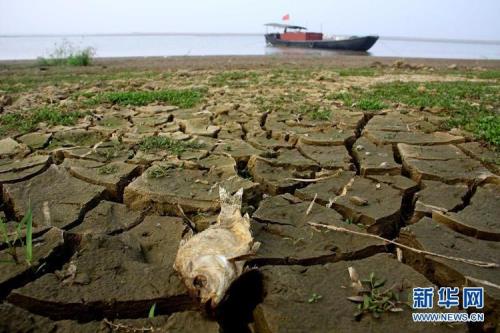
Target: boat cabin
297,33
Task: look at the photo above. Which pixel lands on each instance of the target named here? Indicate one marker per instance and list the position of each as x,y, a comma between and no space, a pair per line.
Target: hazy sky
411,18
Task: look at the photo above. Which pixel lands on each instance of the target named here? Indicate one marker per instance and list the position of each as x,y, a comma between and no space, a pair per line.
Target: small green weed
314,298
357,224
372,297
12,249
349,221
152,311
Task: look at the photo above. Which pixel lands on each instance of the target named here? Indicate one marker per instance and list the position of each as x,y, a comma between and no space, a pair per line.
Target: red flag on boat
286,17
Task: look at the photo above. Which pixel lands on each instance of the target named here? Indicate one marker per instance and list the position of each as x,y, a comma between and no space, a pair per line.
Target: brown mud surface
114,189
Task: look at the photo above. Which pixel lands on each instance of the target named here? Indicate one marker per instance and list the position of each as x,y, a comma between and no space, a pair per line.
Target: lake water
29,47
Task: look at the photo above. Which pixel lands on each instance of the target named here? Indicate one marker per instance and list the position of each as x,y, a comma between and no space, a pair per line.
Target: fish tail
230,206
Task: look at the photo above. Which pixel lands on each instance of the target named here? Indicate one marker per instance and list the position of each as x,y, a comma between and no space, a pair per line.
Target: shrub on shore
67,54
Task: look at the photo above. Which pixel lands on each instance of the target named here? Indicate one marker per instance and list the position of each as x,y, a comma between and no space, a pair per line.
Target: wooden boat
298,37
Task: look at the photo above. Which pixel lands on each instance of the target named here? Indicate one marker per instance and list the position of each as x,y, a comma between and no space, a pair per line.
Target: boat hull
353,44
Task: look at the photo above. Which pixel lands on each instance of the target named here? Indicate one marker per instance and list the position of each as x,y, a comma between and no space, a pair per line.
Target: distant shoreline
144,34
259,61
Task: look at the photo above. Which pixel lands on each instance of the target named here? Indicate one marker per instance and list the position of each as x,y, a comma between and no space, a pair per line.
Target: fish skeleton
209,261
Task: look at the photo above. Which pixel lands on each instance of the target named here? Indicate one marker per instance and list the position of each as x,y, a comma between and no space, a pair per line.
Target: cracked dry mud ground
109,210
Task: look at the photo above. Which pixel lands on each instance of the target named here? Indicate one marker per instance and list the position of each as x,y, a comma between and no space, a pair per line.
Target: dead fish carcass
208,262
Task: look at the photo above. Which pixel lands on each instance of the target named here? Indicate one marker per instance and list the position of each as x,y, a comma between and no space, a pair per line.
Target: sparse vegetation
183,98
68,54
28,121
176,147
294,104
12,239
283,106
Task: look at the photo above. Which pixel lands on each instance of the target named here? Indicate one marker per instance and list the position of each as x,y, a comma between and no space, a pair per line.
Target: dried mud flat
116,180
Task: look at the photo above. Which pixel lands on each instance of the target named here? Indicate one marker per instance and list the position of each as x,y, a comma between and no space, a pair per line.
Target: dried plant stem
307,180
464,260
188,220
483,282
121,327
311,204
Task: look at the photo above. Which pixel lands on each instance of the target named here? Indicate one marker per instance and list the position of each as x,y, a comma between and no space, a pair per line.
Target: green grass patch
183,98
176,147
235,79
483,124
21,82
448,95
370,104
321,114
290,75
25,122
491,74
470,105
345,97
363,71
